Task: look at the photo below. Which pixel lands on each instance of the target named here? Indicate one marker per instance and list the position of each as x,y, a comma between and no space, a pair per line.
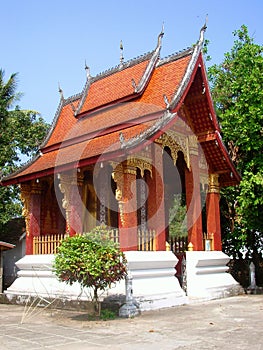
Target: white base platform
154,283
208,277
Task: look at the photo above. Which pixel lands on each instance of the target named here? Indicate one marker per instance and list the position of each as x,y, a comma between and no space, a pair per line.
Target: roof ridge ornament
190,68
60,92
160,36
87,69
121,54
202,31
84,91
150,67
122,139
166,101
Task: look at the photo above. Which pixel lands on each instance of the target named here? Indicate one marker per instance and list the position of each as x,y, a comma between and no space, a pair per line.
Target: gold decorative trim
141,163
204,180
176,143
64,186
80,178
117,175
130,170
65,183
25,198
213,185
202,161
36,188
192,145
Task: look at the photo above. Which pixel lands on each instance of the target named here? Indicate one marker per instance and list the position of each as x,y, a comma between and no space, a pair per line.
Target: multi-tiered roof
126,107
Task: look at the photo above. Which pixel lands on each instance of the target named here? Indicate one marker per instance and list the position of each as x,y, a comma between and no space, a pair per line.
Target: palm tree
8,95
20,133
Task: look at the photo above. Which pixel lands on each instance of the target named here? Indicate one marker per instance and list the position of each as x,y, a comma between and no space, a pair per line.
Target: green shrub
91,259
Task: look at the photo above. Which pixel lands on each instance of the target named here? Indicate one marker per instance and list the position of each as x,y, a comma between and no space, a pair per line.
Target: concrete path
232,323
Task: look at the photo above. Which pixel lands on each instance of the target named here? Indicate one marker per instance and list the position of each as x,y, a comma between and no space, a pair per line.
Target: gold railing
114,235
47,244
146,240
178,244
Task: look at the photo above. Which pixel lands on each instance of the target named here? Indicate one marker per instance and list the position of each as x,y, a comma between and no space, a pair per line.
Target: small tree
91,259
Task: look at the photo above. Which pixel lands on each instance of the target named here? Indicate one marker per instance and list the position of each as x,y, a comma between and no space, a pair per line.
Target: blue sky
48,41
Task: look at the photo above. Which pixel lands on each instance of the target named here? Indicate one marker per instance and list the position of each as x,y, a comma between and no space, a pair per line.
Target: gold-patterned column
70,184
124,174
76,202
25,190
128,233
118,177
31,199
65,186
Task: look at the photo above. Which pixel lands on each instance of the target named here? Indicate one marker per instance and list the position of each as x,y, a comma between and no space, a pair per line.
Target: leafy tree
91,259
237,90
20,134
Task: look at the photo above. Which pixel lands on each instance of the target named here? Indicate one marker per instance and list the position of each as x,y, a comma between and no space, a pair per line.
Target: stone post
129,309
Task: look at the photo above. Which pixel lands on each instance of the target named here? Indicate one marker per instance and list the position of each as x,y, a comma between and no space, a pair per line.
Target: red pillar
128,210
193,200
155,201
213,212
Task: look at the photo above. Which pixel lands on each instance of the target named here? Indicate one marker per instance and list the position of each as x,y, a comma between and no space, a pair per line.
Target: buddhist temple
118,154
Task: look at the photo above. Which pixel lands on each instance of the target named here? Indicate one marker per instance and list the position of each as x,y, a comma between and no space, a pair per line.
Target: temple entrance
175,209
175,206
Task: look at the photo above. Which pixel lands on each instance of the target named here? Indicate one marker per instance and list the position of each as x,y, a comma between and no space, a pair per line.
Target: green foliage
177,217
107,314
91,259
205,50
237,90
20,134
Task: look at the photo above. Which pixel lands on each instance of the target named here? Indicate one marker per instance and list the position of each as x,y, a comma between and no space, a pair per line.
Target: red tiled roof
100,122
75,154
165,80
113,87
64,122
109,104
